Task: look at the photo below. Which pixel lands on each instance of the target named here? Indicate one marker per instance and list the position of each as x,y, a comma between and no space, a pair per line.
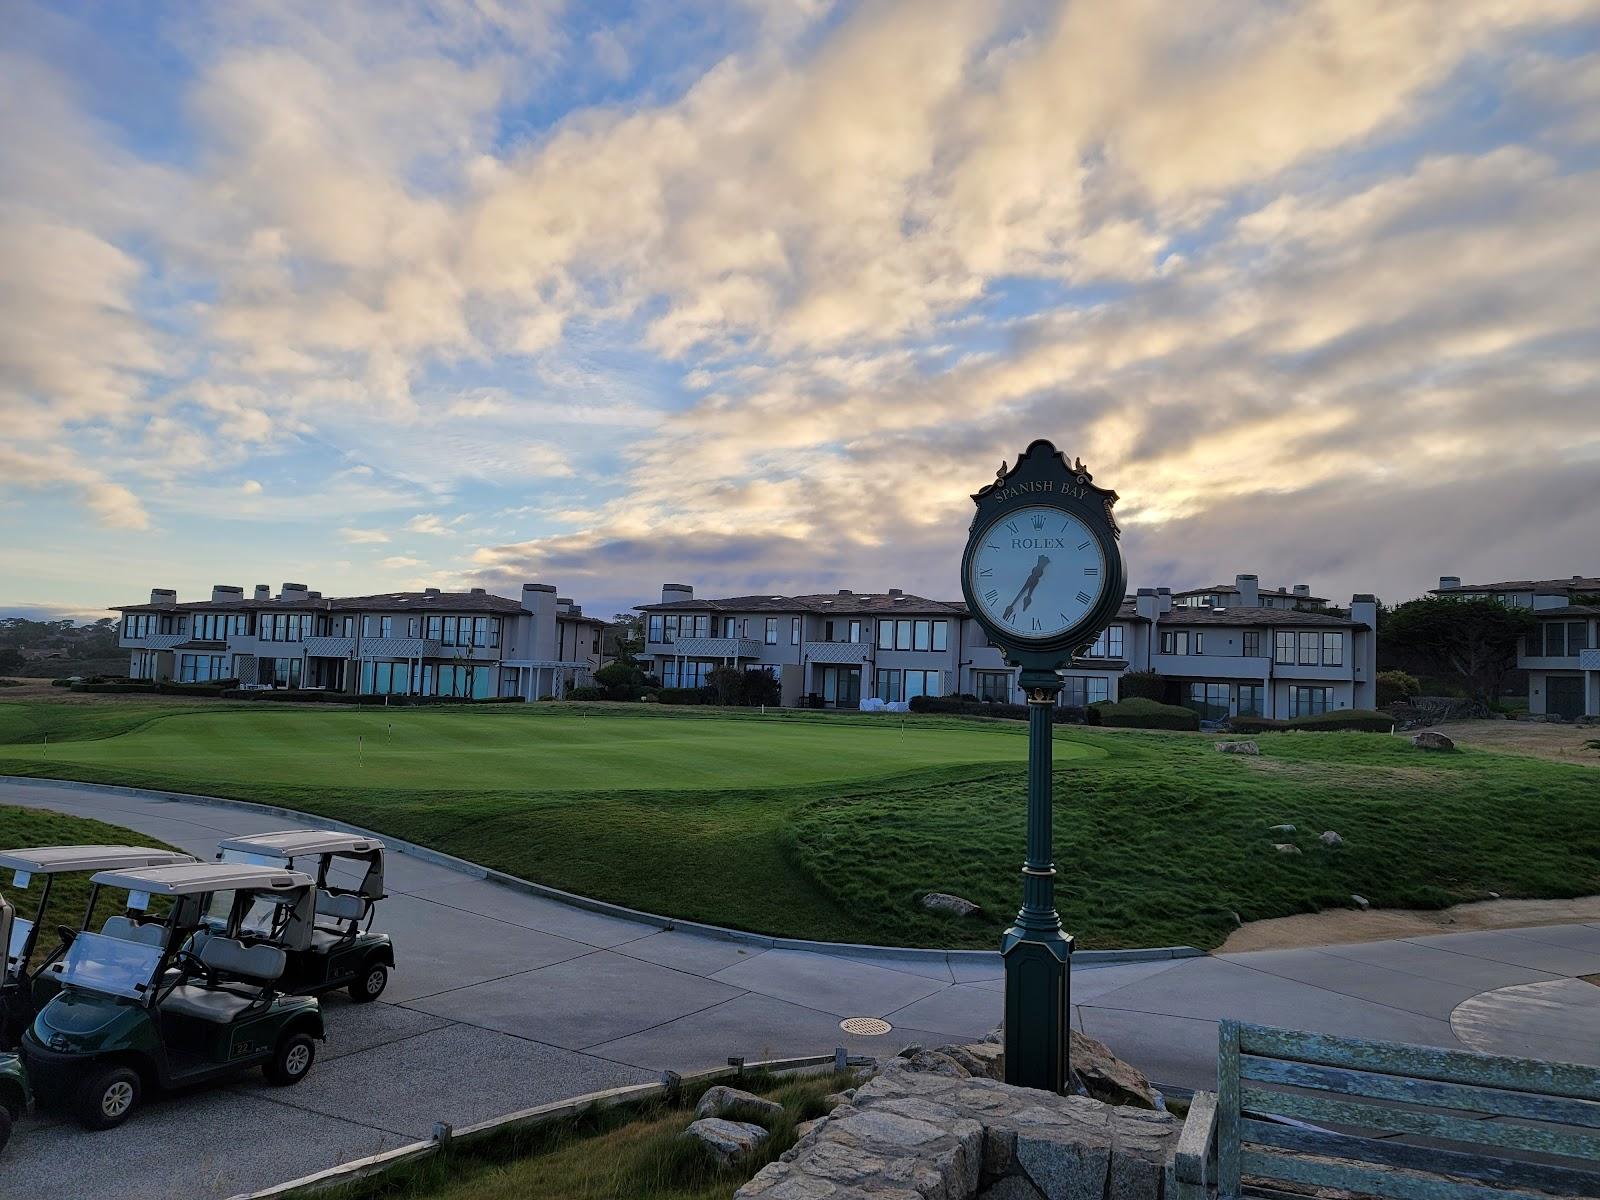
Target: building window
1285,647
923,683
886,682
1210,700
279,672
992,685
1333,649
1250,700
922,635
1199,643
729,627
885,637
855,631
386,627
772,631
1564,639
241,623
1109,644
413,627
1308,701
1175,641
1080,691
1252,643
902,637
794,631
199,668
1310,645
941,635
655,627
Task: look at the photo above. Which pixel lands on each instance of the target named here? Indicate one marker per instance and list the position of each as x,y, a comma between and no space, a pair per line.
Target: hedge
683,695
1361,720
1139,713
958,706
148,688
313,696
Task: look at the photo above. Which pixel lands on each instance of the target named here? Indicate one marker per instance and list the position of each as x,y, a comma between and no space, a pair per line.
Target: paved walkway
503,1000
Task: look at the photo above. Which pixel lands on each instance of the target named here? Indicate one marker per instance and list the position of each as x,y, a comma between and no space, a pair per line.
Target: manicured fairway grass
831,827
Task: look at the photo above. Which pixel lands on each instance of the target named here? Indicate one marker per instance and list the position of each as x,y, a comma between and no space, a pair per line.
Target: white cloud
364,536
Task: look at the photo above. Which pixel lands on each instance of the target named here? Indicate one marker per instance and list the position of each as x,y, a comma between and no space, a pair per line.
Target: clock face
1037,571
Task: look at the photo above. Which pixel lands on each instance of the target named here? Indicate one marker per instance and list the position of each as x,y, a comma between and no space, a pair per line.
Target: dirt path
1338,926
1558,743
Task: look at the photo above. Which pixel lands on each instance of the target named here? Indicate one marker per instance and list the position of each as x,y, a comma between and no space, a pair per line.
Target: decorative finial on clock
1000,475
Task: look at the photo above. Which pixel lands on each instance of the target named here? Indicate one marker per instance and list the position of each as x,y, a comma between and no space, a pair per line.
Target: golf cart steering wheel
184,957
67,934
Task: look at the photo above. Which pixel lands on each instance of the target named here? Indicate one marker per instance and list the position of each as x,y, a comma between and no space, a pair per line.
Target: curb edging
604,908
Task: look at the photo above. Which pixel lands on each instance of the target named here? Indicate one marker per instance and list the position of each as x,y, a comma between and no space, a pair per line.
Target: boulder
944,902
834,1099
1286,848
1330,839
1429,739
734,1104
1281,829
1106,1077
1360,902
726,1141
1238,748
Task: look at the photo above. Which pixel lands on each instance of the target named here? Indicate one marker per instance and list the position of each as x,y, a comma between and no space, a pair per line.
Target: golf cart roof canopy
292,843
194,879
51,860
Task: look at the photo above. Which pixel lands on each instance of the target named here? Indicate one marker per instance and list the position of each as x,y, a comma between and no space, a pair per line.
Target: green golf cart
148,1004
13,1079
26,983
344,952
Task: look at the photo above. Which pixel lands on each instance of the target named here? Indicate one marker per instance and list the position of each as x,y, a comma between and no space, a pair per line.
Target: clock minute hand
1025,592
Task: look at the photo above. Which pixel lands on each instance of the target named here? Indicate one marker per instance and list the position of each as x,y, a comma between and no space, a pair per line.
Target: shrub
63,682
10,683
683,695
1396,686
619,681
1142,713
149,688
959,706
587,692
1360,720
1142,685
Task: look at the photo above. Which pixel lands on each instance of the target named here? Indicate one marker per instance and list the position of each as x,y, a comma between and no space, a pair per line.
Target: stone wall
936,1126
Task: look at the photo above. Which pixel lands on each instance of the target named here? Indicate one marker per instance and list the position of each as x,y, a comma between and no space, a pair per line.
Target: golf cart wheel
5,1127
370,984
106,1099
291,1060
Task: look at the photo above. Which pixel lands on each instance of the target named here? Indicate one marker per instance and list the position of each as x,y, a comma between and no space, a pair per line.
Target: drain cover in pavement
865,1026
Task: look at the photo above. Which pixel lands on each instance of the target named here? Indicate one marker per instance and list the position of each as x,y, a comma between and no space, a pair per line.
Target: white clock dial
1037,572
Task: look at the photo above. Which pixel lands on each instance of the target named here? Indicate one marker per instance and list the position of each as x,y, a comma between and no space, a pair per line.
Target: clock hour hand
1024,594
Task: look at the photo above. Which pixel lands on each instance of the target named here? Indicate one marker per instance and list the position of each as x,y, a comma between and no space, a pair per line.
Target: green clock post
1043,574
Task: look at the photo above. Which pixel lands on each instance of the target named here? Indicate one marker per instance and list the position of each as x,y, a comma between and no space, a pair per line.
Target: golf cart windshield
20,929
109,964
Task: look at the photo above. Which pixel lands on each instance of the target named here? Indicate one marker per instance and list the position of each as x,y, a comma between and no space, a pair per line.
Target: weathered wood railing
1307,1109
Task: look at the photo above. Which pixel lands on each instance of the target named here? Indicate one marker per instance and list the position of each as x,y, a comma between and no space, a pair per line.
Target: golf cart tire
107,1097
291,1061
370,984
5,1128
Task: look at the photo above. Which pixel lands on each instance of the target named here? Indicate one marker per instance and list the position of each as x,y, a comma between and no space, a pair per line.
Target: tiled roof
1574,583
1569,610
1257,616
848,603
1231,589
474,602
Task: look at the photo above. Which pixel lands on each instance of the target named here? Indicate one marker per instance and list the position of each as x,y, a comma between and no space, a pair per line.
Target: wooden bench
1295,1112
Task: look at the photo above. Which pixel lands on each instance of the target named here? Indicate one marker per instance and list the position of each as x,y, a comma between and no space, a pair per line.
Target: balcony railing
838,652
709,647
1589,660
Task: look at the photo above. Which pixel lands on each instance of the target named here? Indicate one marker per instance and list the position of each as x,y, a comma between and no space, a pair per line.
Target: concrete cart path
503,1000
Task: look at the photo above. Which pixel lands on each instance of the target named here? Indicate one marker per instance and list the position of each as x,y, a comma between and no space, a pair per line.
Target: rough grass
636,1153
1159,839
69,893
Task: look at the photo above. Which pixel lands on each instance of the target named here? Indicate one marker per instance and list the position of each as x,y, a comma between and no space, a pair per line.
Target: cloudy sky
753,294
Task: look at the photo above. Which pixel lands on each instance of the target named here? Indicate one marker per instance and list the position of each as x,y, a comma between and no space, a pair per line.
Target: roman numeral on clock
1083,545
992,595
1091,570
1036,624
1012,526
986,573
1084,597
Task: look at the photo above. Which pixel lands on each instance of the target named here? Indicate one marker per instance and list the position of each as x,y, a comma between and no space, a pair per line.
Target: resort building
1223,658
428,643
1562,655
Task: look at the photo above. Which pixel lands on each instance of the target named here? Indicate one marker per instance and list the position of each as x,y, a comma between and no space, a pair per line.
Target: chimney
846,592
478,592
314,595
1449,581
1302,591
430,591
292,591
671,592
1146,605
1249,591
896,592
1163,600
163,596
540,600
563,604
223,591
263,592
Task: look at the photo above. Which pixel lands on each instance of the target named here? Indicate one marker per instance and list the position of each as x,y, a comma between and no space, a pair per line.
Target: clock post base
1038,983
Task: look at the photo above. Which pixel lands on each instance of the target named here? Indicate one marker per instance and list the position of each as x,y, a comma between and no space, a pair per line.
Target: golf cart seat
345,909
264,964
131,931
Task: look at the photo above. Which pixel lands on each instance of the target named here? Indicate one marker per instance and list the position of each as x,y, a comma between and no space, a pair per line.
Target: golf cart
349,874
24,986
149,1004
13,1079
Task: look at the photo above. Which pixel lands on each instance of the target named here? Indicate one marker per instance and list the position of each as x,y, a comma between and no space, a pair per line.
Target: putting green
537,750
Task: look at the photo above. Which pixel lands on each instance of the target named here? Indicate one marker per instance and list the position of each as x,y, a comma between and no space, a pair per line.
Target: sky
753,295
